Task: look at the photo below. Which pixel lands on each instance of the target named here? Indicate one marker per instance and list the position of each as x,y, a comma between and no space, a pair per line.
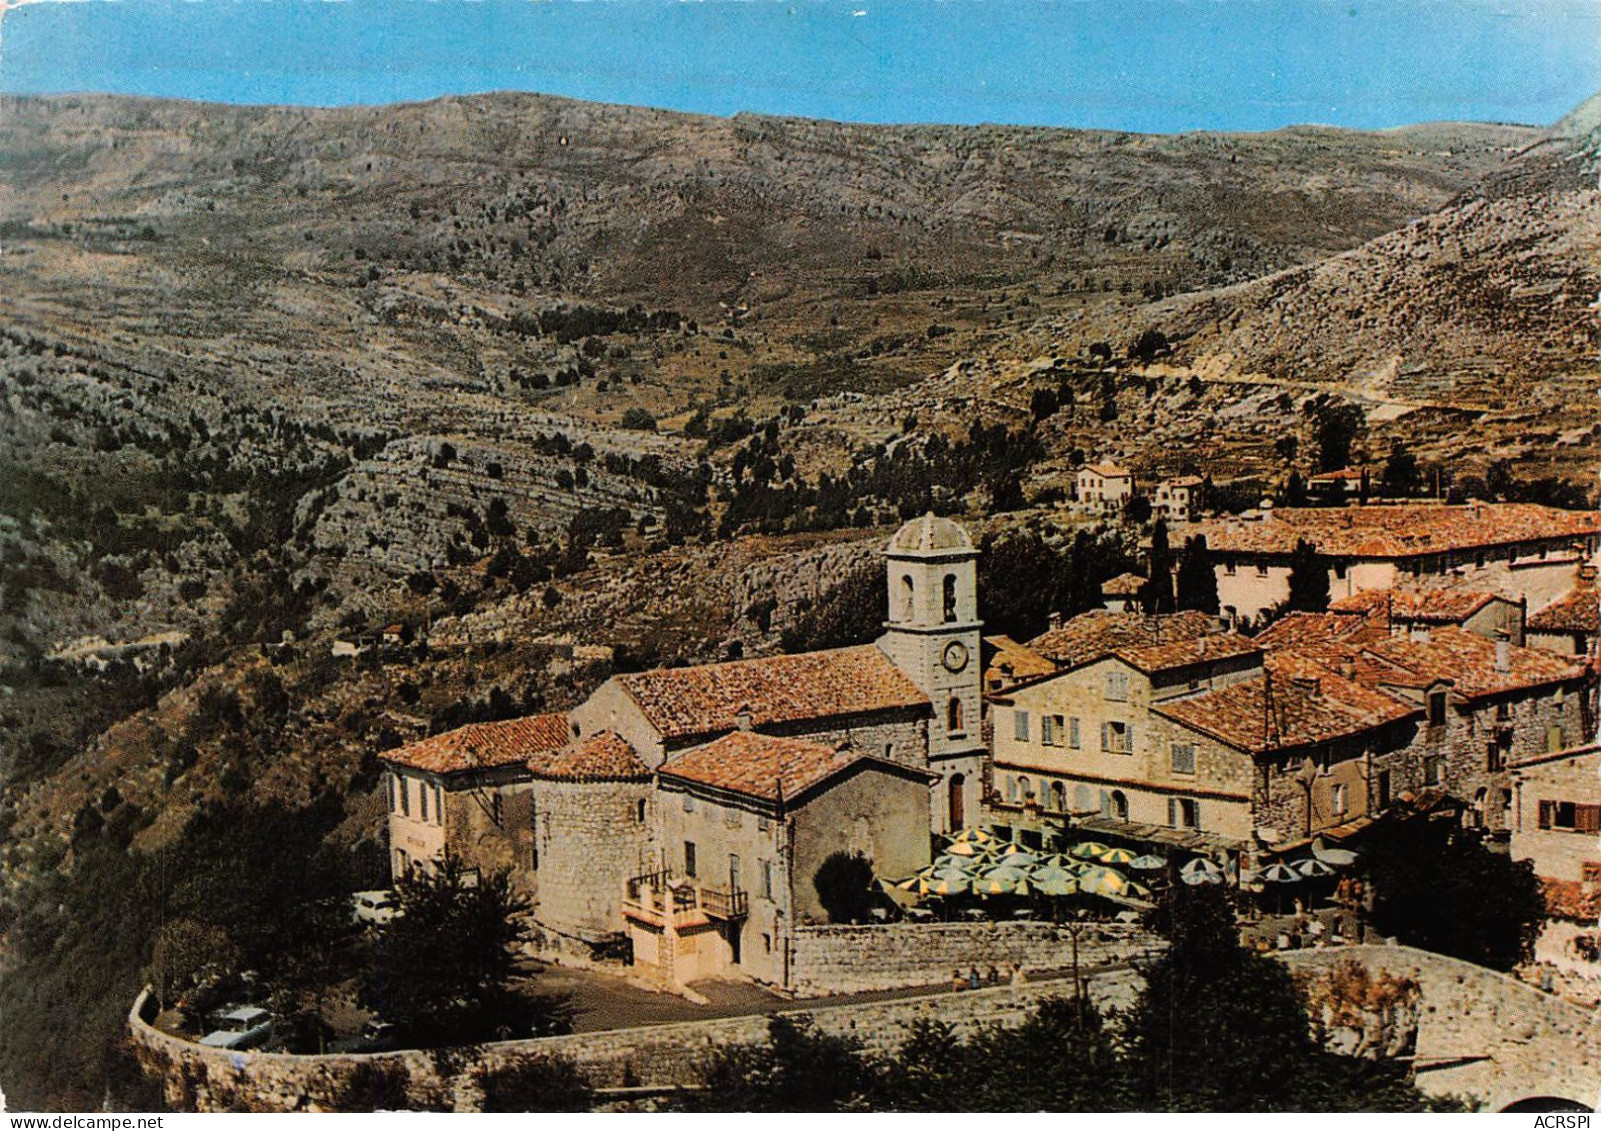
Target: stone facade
769,852
854,959
1556,815
588,838
1107,753
1480,1034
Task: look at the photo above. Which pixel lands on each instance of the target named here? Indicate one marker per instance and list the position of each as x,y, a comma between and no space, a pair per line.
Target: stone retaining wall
1479,1034
1482,1034
202,1079
838,960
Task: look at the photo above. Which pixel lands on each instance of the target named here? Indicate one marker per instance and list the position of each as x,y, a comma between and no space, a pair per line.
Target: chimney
1503,651
1056,620
1311,684
1266,508
1419,633
1348,668
745,718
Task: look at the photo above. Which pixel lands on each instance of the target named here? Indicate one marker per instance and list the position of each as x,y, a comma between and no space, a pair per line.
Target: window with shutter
1546,808
1587,818
1183,758
1020,726
1072,733
1047,731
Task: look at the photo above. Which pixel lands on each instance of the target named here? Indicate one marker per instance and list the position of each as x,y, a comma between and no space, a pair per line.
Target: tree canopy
442,968
1437,886
1309,580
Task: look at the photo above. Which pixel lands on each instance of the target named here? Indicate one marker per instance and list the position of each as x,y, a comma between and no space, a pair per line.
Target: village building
1524,552
1483,703
1081,741
1179,499
1104,487
592,809
1477,611
746,822
1122,594
468,790
1570,625
1346,482
1557,828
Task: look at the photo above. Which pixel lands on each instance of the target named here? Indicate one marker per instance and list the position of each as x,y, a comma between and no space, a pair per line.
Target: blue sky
1156,65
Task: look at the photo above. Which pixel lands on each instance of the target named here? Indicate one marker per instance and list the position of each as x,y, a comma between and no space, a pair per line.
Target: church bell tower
932,634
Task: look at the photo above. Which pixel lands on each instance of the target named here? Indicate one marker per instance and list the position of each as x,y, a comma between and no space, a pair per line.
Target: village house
1081,741
467,789
1347,482
1483,703
1121,594
1104,487
1179,499
1557,828
1570,625
591,808
1481,613
746,822
1521,551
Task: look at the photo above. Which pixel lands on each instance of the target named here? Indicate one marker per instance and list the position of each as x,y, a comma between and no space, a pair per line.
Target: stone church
687,809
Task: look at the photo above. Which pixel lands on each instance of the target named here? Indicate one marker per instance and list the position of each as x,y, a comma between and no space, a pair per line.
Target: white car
244,1027
377,907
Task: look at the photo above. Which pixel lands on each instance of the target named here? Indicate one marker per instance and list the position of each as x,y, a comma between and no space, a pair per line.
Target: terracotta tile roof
1399,530
1578,611
1316,630
682,702
480,746
1013,661
1352,474
1188,653
1310,705
1466,660
1184,481
1433,606
766,766
1093,635
1124,585
603,756
1109,470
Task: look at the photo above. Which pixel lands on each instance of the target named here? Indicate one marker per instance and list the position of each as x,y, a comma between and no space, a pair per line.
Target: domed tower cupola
932,634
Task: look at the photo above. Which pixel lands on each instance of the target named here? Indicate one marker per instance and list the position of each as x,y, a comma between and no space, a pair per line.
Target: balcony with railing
655,896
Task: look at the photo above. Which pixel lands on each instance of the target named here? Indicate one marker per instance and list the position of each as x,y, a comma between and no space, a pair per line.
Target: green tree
1309,580
539,1083
1335,428
639,420
1158,595
1197,577
844,884
1436,886
442,969
1221,1028
1294,491
797,1069
1062,1058
186,951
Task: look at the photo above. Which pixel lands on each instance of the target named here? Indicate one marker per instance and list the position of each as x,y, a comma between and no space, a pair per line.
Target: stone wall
200,1079
1481,1034
590,837
1478,1033
836,960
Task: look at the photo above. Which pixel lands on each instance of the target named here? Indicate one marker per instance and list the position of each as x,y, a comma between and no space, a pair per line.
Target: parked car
243,1027
376,907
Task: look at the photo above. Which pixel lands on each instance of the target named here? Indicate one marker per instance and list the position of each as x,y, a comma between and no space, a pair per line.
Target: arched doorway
958,800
